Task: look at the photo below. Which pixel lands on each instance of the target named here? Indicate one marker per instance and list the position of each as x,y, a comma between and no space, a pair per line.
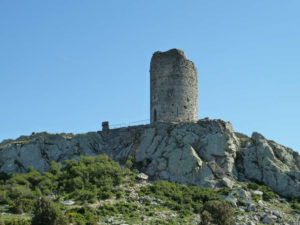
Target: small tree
129,162
46,213
217,212
55,167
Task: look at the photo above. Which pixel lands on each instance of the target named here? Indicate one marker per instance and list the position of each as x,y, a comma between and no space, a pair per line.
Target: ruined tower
173,88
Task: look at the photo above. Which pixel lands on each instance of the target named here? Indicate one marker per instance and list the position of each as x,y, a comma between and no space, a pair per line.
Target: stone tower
173,88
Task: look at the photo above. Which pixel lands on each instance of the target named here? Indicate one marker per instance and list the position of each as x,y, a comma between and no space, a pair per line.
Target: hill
193,168
205,154
97,190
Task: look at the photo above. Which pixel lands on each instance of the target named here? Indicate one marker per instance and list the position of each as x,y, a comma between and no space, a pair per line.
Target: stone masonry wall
173,88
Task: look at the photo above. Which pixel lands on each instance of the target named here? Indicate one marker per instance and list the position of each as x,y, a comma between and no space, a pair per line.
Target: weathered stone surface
240,193
268,219
226,182
174,87
233,200
264,161
142,176
207,154
259,193
251,208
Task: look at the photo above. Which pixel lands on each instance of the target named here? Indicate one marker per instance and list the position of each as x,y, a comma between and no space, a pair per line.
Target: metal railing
134,123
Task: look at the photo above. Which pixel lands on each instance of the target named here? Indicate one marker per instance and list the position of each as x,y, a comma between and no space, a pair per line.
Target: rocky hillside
206,154
97,190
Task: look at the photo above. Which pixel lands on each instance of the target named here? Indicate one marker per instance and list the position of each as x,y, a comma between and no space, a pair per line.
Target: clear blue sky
66,66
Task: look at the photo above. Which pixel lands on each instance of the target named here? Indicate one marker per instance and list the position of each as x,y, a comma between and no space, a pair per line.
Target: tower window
155,116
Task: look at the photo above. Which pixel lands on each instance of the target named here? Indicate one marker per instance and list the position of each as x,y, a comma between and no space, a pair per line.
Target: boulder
226,182
233,200
142,176
259,193
251,208
269,219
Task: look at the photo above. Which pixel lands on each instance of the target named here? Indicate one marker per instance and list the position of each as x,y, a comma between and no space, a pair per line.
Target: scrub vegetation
97,190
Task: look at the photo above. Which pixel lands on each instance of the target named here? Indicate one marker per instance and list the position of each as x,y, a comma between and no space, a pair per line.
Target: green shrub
21,206
83,216
124,208
217,212
46,213
253,186
85,180
47,185
129,162
268,192
255,197
17,222
55,167
74,184
295,205
18,179
84,195
16,191
129,209
206,218
224,191
240,203
179,197
92,174
4,176
107,209
4,199
164,222
119,193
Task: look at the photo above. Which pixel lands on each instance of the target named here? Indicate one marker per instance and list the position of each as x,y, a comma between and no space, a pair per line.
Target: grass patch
268,192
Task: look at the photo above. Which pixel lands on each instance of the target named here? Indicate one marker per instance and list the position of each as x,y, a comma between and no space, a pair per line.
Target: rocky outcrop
207,154
271,164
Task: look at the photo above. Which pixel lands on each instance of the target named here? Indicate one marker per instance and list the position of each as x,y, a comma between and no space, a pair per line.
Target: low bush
184,199
253,186
256,198
91,177
17,222
217,212
4,176
224,191
124,208
295,205
164,222
21,206
45,212
268,192
83,216
86,180
4,198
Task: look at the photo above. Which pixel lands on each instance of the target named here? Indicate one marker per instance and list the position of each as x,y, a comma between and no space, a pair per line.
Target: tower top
173,51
